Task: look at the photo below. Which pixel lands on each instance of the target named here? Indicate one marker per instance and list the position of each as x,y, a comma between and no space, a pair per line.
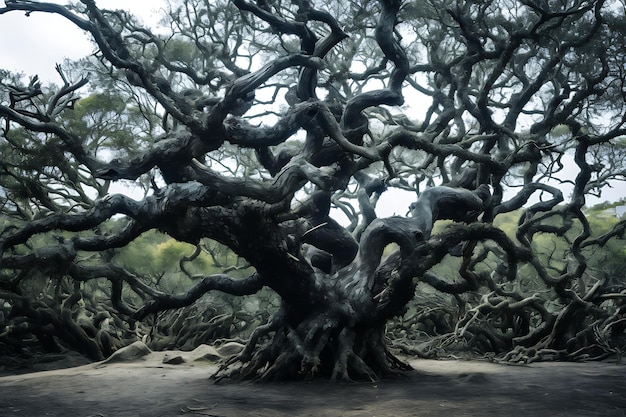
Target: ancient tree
255,124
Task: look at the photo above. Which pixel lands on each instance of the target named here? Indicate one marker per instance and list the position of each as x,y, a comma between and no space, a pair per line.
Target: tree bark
334,324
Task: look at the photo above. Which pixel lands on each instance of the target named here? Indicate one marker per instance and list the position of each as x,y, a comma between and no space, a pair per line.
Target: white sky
35,44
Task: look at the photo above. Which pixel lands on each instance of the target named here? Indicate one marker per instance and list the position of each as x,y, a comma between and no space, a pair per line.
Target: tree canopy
265,132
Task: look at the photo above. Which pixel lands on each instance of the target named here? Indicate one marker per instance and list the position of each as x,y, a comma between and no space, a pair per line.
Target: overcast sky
35,44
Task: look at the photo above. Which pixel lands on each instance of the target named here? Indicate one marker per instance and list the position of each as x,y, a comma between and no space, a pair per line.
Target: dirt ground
146,387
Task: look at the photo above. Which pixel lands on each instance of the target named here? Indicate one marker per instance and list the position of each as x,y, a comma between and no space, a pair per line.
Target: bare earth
146,387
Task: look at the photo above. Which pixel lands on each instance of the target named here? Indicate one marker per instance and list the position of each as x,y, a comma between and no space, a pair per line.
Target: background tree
272,114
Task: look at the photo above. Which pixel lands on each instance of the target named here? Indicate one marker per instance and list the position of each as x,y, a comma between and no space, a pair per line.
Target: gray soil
146,387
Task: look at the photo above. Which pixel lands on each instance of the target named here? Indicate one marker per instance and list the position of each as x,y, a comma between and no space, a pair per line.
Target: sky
35,44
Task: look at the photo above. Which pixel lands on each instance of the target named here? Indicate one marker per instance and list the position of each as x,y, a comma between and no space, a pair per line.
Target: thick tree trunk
334,324
340,338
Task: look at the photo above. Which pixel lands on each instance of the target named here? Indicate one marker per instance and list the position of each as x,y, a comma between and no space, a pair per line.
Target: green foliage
98,117
179,50
507,222
139,255
154,252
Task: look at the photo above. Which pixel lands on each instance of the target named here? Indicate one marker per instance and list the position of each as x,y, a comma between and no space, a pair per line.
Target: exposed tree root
319,346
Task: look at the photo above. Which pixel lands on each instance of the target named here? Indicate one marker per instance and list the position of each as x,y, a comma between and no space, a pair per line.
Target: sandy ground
147,388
